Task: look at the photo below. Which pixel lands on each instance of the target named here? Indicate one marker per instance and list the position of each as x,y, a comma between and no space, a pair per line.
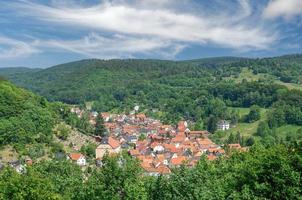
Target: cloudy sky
41,33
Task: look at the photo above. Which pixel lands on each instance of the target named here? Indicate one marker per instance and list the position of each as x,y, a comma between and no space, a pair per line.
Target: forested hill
194,89
85,80
82,80
24,117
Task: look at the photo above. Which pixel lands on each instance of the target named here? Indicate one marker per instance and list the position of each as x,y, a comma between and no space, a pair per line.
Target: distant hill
8,71
81,80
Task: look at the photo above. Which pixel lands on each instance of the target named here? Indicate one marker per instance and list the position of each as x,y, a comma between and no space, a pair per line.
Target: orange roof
75,156
175,150
181,126
141,143
178,160
161,157
199,133
160,169
130,128
113,143
198,154
145,165
109,125
141,116
163,169
205,142
180,137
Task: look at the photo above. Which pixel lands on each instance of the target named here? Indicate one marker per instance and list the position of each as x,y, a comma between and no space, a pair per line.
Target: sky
42,33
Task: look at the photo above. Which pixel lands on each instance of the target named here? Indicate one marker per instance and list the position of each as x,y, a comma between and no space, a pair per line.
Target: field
249,76
246,129
249,129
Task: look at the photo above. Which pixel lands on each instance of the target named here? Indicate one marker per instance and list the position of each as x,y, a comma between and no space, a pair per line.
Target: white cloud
96,46
283,8
12,48
164,23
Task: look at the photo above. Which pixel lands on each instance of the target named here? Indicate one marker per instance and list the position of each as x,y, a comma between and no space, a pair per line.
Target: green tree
212,124
100,127
253,115
263,129
62,131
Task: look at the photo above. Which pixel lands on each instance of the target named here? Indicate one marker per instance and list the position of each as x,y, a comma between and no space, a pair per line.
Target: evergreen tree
100,129
212,124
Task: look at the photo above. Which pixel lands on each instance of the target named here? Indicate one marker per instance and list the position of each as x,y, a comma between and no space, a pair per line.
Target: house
108,144
78,158
181,126
198,134
205,143
223,125
157,170
180,160
94,114
105,116
130,138
141,117
157,147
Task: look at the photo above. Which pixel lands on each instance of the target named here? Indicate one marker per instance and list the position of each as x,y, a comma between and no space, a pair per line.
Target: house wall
81,161
103,148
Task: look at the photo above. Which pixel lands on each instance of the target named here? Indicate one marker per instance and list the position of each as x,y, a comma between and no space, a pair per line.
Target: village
159,147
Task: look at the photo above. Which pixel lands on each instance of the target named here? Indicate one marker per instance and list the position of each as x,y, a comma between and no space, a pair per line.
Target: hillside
202,91
87,80
24,117
84,80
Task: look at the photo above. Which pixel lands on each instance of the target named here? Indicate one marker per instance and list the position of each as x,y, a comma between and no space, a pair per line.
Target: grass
249,76
8,154
246,129
249,129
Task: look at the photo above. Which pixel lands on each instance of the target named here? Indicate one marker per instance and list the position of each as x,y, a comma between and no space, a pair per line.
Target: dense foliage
24,117
272,173
194,90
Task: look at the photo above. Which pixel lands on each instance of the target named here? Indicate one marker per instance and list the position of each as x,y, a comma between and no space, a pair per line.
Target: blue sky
42,33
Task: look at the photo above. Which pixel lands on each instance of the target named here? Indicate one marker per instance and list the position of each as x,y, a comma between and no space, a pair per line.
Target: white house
78,158
223,125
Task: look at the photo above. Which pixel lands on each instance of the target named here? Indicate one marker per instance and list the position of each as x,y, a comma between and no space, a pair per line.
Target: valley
147,121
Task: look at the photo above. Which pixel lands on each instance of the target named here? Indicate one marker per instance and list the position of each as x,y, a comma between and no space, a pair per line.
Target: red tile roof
113,143
180,137
178,160
75,156
141,116
205,142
